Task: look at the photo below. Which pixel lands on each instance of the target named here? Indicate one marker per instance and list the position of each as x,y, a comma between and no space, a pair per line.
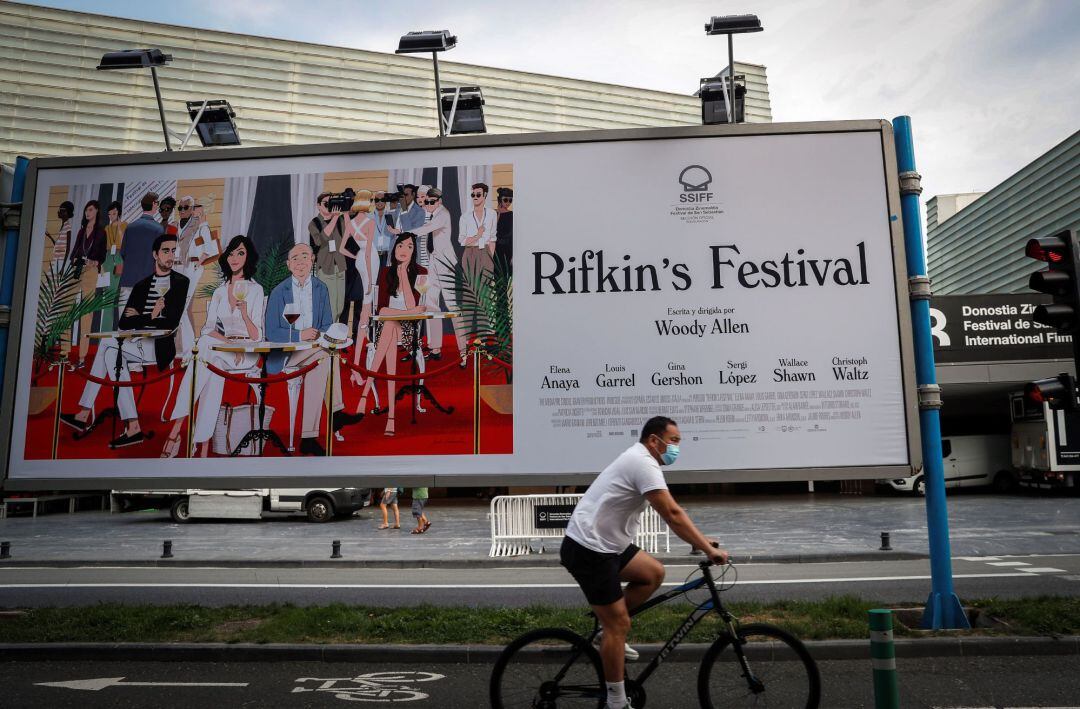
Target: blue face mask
670,455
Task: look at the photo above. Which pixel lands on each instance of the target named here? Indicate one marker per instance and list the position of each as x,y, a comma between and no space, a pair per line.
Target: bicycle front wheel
548,668
782,673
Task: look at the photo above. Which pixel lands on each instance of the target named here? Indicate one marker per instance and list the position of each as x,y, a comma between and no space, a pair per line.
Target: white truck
1045,444
318,504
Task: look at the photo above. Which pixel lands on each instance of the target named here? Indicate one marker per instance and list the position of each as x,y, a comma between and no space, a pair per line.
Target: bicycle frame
700,611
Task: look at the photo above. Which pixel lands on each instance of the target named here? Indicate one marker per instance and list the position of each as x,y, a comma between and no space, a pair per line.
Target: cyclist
598,548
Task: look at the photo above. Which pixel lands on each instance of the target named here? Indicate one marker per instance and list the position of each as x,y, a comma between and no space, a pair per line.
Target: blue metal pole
11,257
943,609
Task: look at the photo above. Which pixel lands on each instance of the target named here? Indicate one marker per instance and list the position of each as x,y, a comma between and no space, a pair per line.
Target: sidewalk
779,528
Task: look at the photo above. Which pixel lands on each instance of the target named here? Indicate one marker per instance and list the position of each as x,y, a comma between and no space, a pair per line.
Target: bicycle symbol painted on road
373,686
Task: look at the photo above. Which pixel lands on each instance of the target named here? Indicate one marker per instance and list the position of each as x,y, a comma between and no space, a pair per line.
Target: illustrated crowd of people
386,254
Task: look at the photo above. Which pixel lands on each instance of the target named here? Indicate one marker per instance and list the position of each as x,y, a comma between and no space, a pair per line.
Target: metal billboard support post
11,253
943,609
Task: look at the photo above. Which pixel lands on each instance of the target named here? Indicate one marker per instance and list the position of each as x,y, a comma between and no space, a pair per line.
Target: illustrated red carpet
434,432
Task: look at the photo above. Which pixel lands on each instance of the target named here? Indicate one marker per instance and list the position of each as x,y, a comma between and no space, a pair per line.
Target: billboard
468,311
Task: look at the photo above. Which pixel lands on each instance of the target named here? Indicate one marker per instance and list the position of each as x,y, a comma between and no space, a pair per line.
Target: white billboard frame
903,319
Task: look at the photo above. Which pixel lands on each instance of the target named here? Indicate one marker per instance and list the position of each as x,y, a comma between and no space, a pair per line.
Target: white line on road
756,582
96,685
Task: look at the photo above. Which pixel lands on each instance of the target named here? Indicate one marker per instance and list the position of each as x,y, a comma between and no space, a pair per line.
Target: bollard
166,549
883,657
336,554
5,550
885,546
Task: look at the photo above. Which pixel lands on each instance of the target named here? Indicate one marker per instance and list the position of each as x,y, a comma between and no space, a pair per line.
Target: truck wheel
919,488
179,511
320,509
1004,481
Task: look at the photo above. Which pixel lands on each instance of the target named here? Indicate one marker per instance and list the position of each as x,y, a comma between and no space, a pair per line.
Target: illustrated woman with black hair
235,312
87,253
397,295
114,239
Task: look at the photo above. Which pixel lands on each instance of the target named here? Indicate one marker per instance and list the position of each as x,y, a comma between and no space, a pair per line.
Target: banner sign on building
993,328
500,309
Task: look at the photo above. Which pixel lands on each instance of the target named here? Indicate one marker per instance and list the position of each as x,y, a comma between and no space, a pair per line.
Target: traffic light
1059,392
1061,252
1061,280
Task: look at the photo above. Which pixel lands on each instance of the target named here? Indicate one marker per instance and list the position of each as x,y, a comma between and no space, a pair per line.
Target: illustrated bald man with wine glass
299,310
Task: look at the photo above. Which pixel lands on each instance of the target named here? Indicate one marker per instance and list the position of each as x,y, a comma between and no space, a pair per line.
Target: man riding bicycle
599,552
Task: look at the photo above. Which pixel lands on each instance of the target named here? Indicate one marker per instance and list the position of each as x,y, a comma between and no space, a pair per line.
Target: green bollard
883,656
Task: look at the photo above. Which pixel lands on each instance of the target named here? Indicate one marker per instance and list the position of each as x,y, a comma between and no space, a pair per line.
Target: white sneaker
630,653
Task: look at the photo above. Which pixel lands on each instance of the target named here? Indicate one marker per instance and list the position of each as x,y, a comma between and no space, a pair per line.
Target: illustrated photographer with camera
327,232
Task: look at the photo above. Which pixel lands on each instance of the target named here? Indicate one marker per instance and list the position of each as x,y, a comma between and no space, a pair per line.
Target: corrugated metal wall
980,249
54,102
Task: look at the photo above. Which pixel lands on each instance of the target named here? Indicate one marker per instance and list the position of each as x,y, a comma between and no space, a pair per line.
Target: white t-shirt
606,518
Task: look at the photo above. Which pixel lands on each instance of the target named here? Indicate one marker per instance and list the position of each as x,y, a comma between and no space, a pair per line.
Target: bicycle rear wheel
548,668
782,672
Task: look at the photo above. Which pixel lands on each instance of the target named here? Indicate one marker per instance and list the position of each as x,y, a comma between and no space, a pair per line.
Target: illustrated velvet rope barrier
104,381
398,377
262,380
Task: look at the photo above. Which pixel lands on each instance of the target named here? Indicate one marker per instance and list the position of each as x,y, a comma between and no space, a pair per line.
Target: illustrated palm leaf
216,279
272,268
486,301
61,305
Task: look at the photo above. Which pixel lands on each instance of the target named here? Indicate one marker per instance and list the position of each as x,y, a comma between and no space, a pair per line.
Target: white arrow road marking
1044,570
95,685
392,586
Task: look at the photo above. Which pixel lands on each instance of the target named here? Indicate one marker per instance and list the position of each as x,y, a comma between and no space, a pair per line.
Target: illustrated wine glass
291,313
240,291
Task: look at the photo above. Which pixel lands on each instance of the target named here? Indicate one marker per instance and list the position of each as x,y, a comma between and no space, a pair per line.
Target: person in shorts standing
419,502
599,551
389,498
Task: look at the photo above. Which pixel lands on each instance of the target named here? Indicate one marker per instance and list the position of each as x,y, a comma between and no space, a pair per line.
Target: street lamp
140,59
730,25
211,118
433,41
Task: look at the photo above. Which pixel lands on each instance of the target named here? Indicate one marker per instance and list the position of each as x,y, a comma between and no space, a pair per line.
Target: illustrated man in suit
316,317
156,303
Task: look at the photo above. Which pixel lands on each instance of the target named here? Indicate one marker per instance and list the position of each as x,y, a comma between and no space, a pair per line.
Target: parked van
970,461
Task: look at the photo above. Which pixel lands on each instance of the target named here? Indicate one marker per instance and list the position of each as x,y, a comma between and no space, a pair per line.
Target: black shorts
596,573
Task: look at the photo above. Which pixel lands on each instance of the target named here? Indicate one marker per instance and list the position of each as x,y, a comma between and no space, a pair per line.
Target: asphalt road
938,682
885,581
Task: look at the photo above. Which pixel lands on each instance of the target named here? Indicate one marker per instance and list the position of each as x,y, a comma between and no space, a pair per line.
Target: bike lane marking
381,687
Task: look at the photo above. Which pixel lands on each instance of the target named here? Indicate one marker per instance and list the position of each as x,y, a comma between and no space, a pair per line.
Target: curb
486,654
530,560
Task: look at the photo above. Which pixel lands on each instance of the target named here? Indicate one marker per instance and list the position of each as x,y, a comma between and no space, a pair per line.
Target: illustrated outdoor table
257,435
417,390
120,336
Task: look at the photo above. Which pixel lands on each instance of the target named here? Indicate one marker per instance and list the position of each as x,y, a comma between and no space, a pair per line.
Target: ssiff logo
695,181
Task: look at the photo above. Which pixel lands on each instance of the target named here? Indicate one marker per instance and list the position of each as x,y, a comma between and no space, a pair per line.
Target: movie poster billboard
497,311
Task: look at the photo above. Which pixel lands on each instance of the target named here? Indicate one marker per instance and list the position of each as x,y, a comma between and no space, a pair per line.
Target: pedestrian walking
419,502
389,499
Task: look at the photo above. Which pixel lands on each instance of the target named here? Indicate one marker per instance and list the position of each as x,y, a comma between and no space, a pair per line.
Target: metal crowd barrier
513,525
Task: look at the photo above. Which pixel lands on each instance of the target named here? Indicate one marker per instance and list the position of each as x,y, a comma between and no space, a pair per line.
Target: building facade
980,249
53,101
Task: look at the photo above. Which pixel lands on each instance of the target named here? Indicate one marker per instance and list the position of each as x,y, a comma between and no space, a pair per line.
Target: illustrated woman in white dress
235,313
361,229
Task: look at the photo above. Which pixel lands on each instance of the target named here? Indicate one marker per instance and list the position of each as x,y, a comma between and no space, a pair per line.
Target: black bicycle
747,665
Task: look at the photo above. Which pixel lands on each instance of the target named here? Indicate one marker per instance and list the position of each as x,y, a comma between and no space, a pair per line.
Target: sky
989,84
